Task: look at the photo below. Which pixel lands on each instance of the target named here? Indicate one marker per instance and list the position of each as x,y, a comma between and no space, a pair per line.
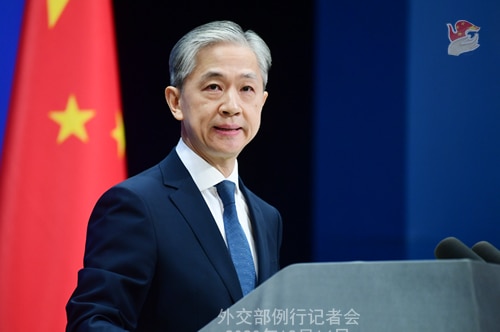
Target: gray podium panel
390,296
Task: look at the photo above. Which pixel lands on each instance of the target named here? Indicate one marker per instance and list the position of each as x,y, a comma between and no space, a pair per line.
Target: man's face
220,102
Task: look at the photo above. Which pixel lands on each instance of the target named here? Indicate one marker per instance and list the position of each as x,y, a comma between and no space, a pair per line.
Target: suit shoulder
144,180
155,176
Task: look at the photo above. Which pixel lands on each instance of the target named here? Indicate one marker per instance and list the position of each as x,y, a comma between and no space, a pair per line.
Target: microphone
487,251
453,248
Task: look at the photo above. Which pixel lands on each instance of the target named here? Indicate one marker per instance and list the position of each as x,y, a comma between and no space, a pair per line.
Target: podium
390,296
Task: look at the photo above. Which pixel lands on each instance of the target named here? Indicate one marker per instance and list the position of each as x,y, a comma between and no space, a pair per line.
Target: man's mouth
227,128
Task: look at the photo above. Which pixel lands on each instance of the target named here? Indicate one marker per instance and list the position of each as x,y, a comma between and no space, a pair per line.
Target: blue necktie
236,240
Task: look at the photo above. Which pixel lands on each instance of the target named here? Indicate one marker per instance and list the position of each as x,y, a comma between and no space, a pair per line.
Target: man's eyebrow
216,74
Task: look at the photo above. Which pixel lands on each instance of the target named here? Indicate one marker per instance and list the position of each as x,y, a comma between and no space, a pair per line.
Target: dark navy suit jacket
155,259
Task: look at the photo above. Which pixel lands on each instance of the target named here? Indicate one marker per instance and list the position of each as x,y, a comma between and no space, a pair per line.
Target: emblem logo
463,37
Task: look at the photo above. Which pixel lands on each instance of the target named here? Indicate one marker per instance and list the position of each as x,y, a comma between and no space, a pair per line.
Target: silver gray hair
183,55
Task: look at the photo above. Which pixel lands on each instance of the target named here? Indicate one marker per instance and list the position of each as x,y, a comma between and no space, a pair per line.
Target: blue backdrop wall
407,147
360,134
453,107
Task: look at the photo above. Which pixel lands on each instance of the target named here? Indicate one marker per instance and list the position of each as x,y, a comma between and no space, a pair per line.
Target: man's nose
231,104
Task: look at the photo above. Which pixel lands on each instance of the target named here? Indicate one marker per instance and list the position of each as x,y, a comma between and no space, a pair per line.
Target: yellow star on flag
54,10
72,121
119,134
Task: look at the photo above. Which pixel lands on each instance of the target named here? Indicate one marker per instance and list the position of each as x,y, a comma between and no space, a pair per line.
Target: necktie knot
226,190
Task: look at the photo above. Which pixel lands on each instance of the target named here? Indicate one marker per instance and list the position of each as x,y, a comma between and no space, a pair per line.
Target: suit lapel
258,228
192,206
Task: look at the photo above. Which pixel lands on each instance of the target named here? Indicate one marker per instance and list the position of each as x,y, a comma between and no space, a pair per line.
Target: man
156,257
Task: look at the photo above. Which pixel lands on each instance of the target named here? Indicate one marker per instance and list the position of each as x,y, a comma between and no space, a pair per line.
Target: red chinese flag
64,146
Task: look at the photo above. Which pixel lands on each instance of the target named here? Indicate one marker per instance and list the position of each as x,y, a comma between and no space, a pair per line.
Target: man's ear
266,94
173,97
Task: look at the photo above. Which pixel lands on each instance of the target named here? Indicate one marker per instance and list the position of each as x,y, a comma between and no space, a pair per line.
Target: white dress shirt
205,176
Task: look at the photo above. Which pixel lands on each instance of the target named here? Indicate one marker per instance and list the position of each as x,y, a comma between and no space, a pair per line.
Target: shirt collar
204,175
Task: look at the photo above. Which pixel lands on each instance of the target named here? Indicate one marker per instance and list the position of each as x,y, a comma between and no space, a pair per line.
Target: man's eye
212,87
247,88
